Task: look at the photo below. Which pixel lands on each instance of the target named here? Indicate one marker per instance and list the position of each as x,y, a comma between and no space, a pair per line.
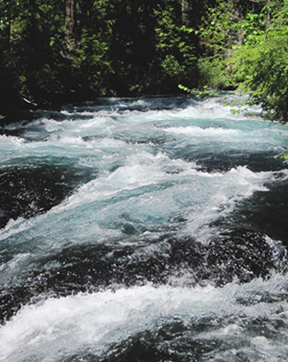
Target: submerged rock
34,189
238,254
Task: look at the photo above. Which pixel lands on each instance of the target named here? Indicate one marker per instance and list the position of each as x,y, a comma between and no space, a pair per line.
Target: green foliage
226,26
172,67
205,93
263,67
214,73
55,48
175,50
247,48
283,155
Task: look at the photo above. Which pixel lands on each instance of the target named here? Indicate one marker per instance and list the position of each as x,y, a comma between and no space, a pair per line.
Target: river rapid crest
143,229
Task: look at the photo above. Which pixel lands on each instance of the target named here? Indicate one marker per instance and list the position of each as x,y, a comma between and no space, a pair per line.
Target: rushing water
150,229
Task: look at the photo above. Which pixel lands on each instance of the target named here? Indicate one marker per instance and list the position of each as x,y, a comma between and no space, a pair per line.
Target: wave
91,323
147,227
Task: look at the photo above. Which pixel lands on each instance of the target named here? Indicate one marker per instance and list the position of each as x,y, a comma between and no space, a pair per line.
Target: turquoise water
144,229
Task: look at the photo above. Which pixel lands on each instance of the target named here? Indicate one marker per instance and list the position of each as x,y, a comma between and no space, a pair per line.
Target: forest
55,51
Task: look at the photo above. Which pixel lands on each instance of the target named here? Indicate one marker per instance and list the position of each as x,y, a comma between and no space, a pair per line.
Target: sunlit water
149,229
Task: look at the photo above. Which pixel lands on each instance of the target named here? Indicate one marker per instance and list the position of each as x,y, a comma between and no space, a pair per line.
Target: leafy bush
263,67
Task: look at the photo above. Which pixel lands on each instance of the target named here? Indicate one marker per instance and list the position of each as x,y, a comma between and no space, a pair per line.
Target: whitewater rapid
149,229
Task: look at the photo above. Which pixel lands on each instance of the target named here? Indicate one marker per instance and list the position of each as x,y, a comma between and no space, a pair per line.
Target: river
143,229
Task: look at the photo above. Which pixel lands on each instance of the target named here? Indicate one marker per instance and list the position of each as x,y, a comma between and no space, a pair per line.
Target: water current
144,229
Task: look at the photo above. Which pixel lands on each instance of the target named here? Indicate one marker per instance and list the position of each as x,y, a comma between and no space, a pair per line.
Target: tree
10,83
53,49
264,67
175,48
69,21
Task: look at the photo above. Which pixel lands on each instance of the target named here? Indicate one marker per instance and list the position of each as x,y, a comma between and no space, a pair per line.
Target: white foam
10,147
141,184
202,132
223,193
142,168
143,193
14,227
92,322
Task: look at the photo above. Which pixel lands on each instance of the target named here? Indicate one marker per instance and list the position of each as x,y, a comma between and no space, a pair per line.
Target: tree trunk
267,20
184,10
32,26
69,18
8,35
